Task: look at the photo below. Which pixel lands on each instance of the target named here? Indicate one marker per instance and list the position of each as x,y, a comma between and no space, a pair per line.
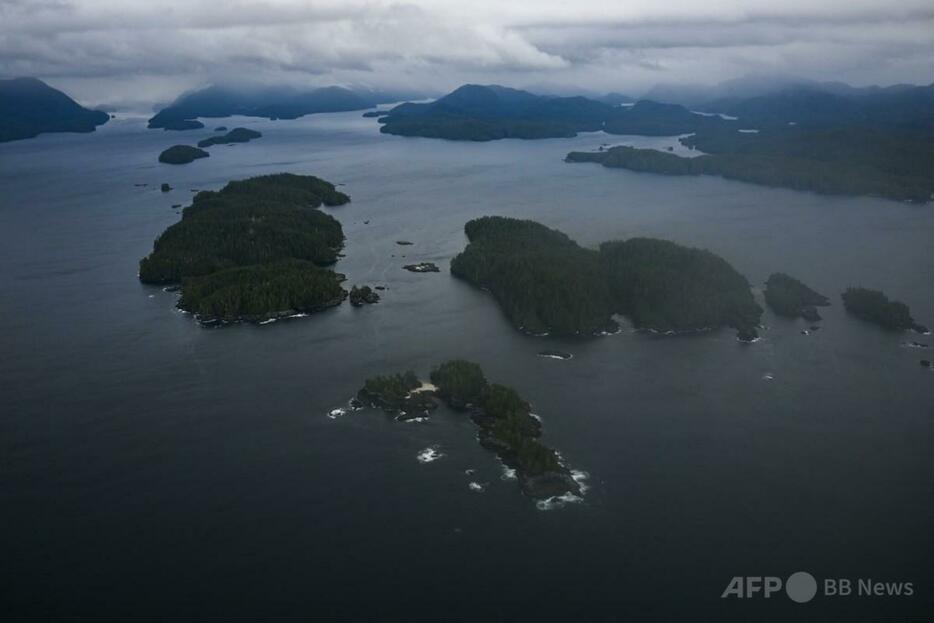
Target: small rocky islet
875,307
504,420
364,295
788,297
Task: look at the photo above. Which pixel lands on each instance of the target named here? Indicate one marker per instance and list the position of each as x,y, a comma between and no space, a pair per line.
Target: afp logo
800,587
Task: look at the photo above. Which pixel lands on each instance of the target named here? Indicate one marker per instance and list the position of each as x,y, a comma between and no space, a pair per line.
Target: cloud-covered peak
104,50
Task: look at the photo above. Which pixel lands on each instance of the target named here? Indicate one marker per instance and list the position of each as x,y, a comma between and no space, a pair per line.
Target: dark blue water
156,470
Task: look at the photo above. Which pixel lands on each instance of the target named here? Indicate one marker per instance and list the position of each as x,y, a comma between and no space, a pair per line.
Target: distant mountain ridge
29,107
769,101
490,112
277,102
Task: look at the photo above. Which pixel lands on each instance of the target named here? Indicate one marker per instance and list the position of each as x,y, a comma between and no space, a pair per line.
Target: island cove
505,423
547,284
255,250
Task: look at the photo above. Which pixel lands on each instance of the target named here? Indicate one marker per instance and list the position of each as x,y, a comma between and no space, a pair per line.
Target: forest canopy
546,283
255,226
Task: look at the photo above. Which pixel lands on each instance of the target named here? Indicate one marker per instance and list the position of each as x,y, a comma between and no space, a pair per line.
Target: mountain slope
29,107
269,102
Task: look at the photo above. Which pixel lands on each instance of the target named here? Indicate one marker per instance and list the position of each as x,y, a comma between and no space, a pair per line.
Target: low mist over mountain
272,102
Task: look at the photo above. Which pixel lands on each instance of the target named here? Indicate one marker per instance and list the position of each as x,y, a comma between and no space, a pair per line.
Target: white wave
338,412
558,501
416,419
768,376
429,454
536,416
269,321
476,487
470,471
564,357
581,477
508,473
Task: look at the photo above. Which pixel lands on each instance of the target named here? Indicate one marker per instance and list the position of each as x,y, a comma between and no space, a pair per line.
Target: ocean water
152,469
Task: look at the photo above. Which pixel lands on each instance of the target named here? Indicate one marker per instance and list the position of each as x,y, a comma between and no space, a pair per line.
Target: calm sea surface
152,469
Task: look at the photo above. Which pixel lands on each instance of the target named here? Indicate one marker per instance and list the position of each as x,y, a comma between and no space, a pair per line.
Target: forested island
182,154
547,284
789,297
874,306
182,125
261,292
505,422
30,107
253,250
237,135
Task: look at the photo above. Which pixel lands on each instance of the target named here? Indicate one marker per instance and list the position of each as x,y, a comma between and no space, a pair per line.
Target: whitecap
336,413
558,501
429,454
768,376
581,477
508,473
476,487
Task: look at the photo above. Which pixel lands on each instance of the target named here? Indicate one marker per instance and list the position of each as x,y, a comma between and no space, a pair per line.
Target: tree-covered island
237,135
789,297
253,250
874,306
182,154
504,419
547,284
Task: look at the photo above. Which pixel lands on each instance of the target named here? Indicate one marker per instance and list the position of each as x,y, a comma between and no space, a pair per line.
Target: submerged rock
926,363
165,187
404,242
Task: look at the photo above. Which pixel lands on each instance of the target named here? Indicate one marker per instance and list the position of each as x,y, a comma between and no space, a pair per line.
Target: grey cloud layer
101,47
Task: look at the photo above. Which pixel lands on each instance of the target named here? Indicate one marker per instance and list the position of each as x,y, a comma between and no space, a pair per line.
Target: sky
148,51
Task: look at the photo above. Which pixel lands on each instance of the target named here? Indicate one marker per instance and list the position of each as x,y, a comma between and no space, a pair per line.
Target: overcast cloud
142,51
